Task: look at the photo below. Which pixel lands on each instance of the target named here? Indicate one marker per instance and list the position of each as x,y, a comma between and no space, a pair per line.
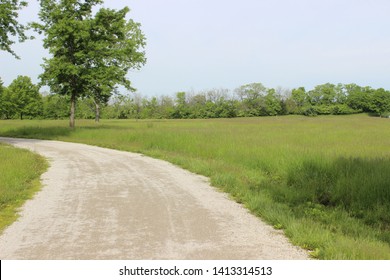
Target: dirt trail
105,204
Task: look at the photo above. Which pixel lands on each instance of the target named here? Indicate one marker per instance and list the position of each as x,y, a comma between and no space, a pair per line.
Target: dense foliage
23,99
91,53
245,101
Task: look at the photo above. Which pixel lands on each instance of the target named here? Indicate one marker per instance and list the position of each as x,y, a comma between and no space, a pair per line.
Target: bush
385,115
309,112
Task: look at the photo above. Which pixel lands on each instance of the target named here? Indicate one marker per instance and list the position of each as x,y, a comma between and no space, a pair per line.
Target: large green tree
65,24
10,28
115,46
91,53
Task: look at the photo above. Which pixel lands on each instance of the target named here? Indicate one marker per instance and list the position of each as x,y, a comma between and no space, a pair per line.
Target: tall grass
325,181
19,180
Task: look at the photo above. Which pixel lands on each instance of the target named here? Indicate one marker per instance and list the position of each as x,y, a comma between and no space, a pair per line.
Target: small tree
252,99
181,109
358,98
380,102
272,103
9,25
299,98
25,97
167,106
323,95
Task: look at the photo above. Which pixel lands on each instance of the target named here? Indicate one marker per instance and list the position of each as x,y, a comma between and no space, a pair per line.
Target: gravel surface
100,203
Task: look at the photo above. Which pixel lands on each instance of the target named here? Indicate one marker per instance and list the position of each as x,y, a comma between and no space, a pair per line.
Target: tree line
22,99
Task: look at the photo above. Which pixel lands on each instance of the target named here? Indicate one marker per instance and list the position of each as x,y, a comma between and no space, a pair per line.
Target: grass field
325,181
19,180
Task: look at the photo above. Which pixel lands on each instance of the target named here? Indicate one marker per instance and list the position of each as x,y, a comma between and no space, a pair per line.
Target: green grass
19,180
325,181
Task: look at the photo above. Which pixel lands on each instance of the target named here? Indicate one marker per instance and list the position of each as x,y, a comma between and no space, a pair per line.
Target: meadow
20,171
324,181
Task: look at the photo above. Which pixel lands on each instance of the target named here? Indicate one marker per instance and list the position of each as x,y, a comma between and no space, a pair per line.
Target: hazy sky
204,44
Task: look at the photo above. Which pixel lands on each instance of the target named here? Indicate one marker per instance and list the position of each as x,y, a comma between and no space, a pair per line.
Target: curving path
105,204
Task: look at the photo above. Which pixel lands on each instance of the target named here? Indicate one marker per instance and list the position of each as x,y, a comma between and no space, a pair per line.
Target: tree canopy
91,54
113,49
24,98
9,25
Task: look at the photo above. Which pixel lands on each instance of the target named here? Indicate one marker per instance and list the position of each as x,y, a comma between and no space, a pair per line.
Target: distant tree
166,106
55,106
324,94
358,98
272,103
217,94
8,105
25,97
9,25
2,89
225,108
251,91
380,102
341,94
299,97
181,106
85,108
150,108
134,103
328,99
197,106
252,99
122,106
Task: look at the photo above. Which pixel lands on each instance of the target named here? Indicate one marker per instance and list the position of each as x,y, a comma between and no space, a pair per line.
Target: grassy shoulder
20,171
324,181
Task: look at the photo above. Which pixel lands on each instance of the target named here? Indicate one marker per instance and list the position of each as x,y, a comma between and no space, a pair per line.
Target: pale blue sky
204,44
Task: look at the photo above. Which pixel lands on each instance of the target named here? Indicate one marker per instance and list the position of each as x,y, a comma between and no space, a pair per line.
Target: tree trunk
72,110
97,111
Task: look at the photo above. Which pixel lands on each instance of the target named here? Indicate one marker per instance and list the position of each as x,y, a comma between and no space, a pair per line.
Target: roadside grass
19,180
324,181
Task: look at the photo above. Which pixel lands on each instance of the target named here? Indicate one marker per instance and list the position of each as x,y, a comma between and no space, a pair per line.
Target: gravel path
105,204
